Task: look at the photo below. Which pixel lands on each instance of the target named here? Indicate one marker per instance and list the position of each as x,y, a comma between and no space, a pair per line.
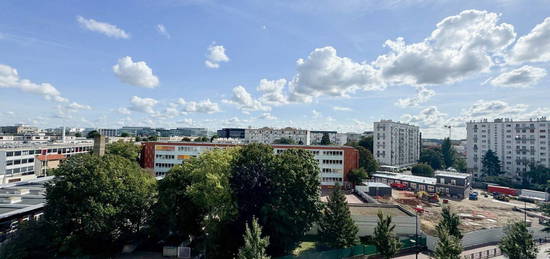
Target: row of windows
331,179
159,156
164,165
332,162
48,151
332,153
188,149
331,170
24,170
19,161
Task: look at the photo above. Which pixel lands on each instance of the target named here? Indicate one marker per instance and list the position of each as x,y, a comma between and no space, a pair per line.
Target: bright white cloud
205,106
135,73
216,55
323,72
272,92
428,117
267,116
340,108
9,78
161,29
77,106
522,77
422,95
493,109
124,111
145,105
461,46
102,27
533,47
245,102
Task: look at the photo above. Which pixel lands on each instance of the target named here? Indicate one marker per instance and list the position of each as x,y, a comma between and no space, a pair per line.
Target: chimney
99,145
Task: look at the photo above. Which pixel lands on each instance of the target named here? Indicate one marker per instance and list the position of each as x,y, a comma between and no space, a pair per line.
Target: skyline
215,64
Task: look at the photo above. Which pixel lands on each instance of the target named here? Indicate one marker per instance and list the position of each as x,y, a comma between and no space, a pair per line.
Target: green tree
518,242
281,190
325,140
96,204
195,197
431,157
422,170
460,165
287,141
448,246
125,134
127,150
336,227
538,174
32,240
366,142
78,134
152,138
366,160
490,164
448,152
385,240
92,134
449,222
214,137
186,139
202,139
357,176
254,244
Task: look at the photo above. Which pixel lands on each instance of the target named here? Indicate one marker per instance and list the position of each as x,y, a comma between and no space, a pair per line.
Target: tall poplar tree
336,227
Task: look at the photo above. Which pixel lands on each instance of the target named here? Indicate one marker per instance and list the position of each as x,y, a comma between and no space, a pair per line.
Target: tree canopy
336,227
366,142
357,176
422,170
431,157
448,153
96,204
125,134
283,140
449,223
254,244
448,246
518,242
127,150
325,140
385,240
490,164
92,134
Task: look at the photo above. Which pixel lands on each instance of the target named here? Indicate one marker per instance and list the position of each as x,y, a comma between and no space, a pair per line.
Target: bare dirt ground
478,214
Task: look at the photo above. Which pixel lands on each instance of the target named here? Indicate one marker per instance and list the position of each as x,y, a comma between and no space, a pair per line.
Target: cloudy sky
314,64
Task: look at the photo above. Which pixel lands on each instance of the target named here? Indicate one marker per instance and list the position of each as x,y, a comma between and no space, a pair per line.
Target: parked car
473,196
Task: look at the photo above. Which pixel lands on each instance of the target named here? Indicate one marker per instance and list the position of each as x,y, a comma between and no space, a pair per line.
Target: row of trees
367,162
439,158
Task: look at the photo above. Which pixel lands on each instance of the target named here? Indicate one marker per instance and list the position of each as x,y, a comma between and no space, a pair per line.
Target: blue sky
315,64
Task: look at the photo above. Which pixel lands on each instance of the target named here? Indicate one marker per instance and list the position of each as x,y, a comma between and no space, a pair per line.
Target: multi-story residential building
334,161
518,144
335,138
138,131
269,135
231,133
20,162
18,129
108,132
395,143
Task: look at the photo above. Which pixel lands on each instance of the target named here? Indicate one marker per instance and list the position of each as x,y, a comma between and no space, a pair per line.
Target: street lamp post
416,236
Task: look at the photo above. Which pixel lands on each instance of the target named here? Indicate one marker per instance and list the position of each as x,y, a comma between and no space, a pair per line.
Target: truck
398,186
473,196
501,197
532,195
502,190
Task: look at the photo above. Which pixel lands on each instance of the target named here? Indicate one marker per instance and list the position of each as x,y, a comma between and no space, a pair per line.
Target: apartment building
19,162
18,129
395,143
335,138
231,133
518,144
334,161
269,135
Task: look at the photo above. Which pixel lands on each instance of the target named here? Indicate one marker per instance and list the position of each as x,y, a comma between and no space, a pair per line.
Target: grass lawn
308,244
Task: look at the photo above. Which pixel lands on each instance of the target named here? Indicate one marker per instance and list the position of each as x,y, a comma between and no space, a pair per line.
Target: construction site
483,213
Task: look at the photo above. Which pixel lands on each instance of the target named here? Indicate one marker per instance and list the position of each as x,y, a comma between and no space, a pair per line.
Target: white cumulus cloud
161,29
272,91
422,95
216,55
102,27
9,78
135,73
533,47
245,102
522,77
145,105
340,108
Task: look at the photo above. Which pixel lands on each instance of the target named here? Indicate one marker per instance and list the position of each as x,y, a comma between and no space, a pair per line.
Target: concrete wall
484,237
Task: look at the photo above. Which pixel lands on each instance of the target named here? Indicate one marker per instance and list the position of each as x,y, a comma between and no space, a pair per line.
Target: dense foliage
385,240
254,244
32,240
422,170
448,153
287,141
97,204
357,176
336,227
432,157
518,242
92,134
127,150
448,246
325,140
449,223
490,164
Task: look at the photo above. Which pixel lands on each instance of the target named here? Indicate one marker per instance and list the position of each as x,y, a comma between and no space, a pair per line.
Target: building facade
231,133
518,144
269,135
395,143
334,162
27,161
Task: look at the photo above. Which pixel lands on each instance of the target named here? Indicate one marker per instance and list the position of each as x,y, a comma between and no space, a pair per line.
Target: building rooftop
451,174
21,197
375,184
406,177
5,146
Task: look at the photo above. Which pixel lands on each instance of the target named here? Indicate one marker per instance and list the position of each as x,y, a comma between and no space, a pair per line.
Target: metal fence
489,253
